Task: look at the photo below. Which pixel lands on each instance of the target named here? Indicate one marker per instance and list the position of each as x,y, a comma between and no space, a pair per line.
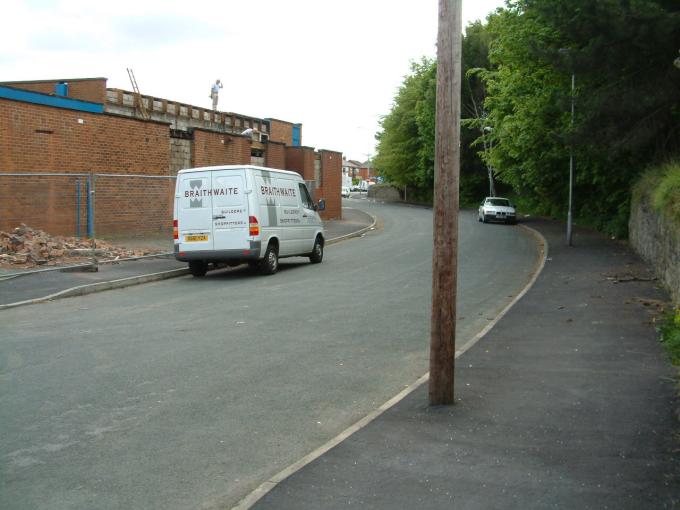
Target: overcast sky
333,66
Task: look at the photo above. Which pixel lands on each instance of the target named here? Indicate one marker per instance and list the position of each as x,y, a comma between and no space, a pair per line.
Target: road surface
189,393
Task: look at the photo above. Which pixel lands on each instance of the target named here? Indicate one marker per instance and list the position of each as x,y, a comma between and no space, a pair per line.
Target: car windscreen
498,201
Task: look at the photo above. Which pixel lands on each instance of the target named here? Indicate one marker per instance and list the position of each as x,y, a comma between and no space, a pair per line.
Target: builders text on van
244,214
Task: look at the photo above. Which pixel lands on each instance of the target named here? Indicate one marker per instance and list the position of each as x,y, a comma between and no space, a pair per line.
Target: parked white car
344,192
497,209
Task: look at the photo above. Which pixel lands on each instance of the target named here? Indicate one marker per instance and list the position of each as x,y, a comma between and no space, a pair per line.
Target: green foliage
659,187
666,197
627,101
669,331
474,181
402,155
516,105
406,142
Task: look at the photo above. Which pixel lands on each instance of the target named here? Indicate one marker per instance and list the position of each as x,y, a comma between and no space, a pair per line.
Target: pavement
568,402
32,287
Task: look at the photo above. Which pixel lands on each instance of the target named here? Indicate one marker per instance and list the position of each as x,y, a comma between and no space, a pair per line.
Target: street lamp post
571,165
489,169
567,52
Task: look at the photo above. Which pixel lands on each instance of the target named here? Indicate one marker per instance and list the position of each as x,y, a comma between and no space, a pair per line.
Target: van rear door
230,210
194,211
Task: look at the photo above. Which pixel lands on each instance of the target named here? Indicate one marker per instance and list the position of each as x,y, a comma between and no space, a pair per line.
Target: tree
404,157
475,129
628,100
405,153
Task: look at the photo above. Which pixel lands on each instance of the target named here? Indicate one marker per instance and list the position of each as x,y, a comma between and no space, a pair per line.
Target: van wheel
198,268
270,263
317,252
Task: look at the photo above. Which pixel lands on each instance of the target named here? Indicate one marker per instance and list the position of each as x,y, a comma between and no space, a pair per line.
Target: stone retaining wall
385,193
656,238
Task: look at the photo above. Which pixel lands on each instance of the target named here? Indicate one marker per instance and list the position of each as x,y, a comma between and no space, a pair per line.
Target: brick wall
330,183
281,131
124,206
133,206
90,89
210,148
275,156
45,202
301,160
327,179
36,138
43,139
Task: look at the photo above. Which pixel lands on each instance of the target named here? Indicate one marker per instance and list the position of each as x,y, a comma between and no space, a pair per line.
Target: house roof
351,163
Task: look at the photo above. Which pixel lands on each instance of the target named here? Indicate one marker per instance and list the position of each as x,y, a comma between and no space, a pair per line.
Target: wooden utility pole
446,171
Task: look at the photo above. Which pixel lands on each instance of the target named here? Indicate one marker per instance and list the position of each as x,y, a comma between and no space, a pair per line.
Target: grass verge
660,187
669,331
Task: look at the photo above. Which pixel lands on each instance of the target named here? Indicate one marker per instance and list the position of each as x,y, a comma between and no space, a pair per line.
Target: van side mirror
321,206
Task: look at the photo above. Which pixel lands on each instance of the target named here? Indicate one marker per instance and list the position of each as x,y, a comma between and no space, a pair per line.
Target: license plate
195,238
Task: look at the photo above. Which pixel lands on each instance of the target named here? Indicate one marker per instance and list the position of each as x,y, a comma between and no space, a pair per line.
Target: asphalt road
188,393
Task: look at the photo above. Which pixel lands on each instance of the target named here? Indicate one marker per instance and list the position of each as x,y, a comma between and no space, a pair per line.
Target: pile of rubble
28,247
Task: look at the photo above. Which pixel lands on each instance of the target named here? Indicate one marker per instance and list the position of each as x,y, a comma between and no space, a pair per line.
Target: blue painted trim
61,89
296,135
28,96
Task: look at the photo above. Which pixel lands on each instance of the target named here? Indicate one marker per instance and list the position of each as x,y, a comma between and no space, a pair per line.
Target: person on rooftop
214,93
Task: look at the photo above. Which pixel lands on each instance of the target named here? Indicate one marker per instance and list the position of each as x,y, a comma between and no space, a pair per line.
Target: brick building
367,171
57,137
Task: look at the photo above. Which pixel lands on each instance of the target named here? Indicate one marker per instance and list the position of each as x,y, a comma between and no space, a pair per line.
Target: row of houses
357,170
61,138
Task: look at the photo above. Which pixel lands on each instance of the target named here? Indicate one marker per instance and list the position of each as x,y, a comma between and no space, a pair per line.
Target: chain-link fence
133,206
133,211
54,202
109,206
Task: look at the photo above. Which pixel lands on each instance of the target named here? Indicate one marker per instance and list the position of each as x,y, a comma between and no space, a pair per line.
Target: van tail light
175,230
254,226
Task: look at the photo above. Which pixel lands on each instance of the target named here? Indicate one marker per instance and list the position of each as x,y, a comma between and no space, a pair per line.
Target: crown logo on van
196,185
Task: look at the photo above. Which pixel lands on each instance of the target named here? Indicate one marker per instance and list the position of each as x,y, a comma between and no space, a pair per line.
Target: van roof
237,167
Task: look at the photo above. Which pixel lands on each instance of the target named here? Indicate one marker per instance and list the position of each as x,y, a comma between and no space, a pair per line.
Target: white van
235,214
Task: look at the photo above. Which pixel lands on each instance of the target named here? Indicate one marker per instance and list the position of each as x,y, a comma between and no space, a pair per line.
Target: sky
333,66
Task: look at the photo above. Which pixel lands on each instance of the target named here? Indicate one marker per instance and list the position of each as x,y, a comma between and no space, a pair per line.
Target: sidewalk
56,284
567,403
